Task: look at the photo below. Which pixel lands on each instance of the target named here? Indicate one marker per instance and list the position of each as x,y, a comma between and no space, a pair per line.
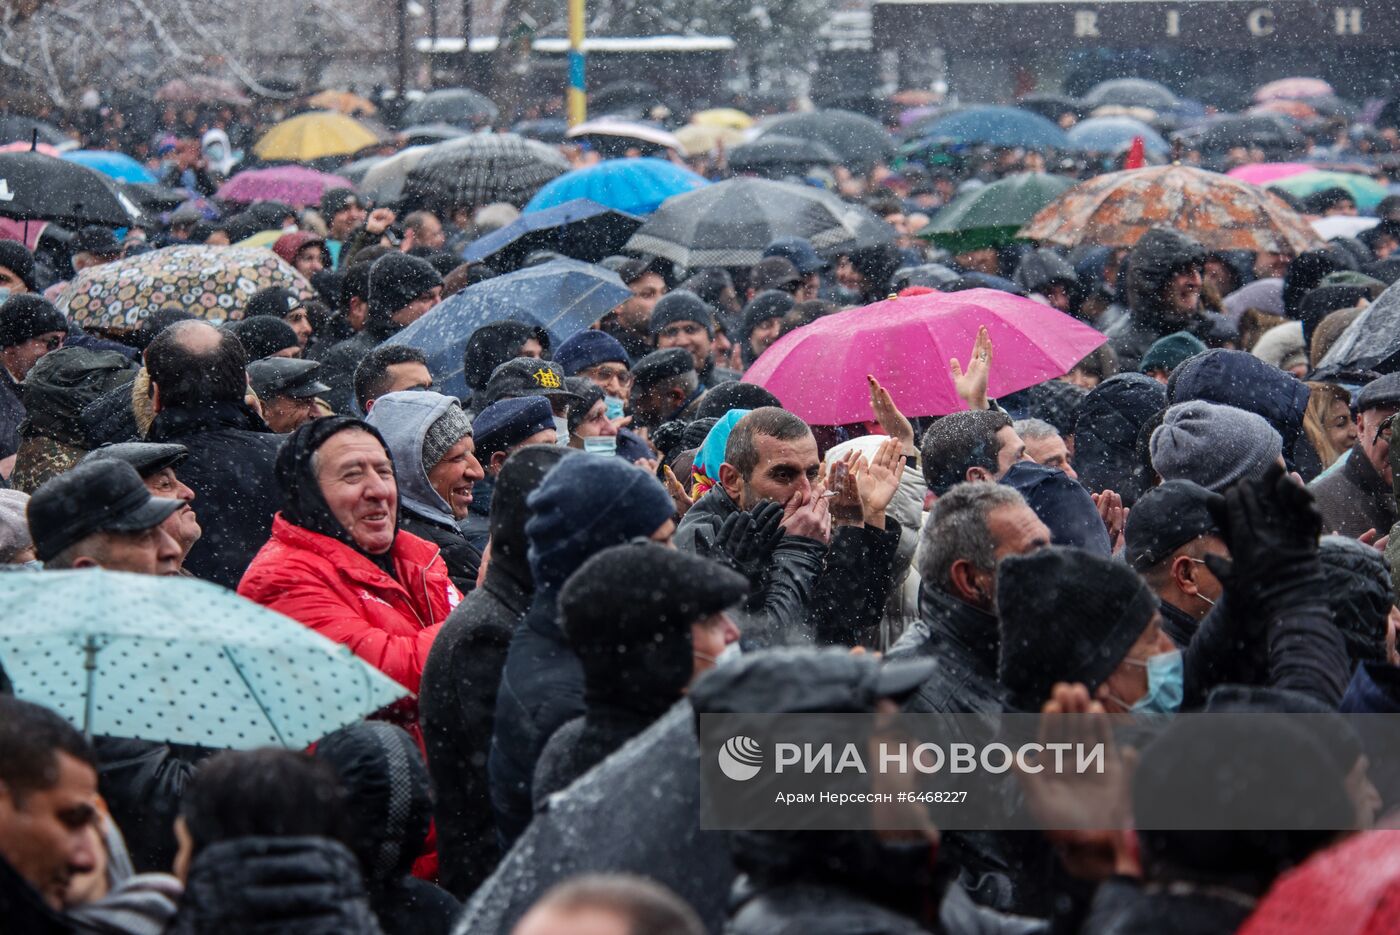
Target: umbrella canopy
213,283
1268,131
730,223
991,215
17,129
906,344
857,139
995,126
727,117
563,296
152,197
1342,225
1222,213
1293,89
1372,341
1365,191
632,186
483,168
1131,92
579,229
347,102
458,106
426,134
117,654
613,137
315,135
697,140
1297,111
114,165
355,171
29,147
1262,173
781,155
545,129
1050,106
1113,134
201,89
385,180
296,185
34,186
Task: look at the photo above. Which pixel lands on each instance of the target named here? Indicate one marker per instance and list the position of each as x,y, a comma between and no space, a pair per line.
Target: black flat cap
98,496
662,365
274,301
99,241
286,376
1380,392
145,457
1166,518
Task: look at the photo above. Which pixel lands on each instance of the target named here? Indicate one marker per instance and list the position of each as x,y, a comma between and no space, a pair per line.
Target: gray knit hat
14,528
1213,445
444,433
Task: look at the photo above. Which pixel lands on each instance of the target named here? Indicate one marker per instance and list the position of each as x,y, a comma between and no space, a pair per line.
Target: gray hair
1035,429
957,529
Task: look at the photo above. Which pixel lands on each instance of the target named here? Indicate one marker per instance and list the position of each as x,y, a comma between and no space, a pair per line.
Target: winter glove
746,539
1272,528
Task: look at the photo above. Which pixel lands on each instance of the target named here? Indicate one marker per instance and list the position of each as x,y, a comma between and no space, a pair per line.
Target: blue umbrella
119,166
580,229
1111,134
563,296
178,660
635,186
996,126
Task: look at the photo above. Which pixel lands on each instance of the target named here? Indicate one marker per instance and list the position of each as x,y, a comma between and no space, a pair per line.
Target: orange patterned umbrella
1116,209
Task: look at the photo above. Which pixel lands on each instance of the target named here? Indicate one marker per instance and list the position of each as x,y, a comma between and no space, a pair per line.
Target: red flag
1137,155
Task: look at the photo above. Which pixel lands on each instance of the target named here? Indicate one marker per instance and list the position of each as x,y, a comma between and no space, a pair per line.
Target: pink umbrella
819,370
22,147
1294,89
296,185
1262,173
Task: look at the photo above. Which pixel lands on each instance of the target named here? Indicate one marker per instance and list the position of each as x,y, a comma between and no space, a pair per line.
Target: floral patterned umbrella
213,283
1222,213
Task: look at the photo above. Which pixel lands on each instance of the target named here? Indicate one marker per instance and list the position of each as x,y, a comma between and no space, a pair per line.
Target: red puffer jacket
343,596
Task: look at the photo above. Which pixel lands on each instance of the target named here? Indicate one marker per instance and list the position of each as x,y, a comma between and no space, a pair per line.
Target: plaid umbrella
483,168
1222,213
731,222
213,283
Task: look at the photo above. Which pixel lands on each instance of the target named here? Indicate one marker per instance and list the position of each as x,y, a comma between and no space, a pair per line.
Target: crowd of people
612,533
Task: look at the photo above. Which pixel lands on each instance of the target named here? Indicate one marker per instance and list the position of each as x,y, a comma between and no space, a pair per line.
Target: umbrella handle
90,648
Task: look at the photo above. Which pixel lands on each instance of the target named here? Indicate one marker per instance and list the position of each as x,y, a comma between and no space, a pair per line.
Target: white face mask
601,445
729,654
561,429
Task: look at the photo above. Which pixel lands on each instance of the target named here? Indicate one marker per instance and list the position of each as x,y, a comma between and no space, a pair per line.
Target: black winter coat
580,745
142,783
338,370
22,909
1106,432
230,470
275,886
964,642
457,709
11,414
463,560
1125,907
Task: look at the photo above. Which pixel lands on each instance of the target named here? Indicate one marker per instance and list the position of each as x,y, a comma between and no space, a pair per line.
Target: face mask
601,445
561,429
32,565
1165,678
614,407
729,654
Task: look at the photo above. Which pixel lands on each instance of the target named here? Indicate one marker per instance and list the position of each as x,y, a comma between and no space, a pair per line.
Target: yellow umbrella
260,239
699,140
723,117
347,102
314,136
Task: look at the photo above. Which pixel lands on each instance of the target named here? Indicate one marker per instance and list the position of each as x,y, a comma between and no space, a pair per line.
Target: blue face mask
1165,681
614,407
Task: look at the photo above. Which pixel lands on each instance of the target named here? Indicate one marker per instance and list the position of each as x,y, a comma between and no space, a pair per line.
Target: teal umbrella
178,660
1366,191
991,215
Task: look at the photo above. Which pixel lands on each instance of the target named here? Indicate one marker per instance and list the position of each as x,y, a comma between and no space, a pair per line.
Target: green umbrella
1366,191
990,216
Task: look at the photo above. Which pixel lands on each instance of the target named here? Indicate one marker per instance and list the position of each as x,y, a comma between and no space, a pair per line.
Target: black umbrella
581,229
545,129
781,155
1131,92
38,187
1051,106
152,197
859,140
483,168
633,99
657,777
1267,131
461,106
426,134
731,223
17,129
1372,341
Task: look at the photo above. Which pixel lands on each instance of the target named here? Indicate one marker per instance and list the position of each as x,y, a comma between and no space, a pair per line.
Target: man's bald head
192,363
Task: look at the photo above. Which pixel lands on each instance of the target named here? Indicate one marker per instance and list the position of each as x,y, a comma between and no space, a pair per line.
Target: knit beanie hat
1066,615
16,258
262,336
25,316
589,349
395,280
1215,446
1166,352
681,306
585,505
14,527
765,305
446,431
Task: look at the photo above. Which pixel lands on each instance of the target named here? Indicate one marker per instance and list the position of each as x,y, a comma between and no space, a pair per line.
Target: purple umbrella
296,185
